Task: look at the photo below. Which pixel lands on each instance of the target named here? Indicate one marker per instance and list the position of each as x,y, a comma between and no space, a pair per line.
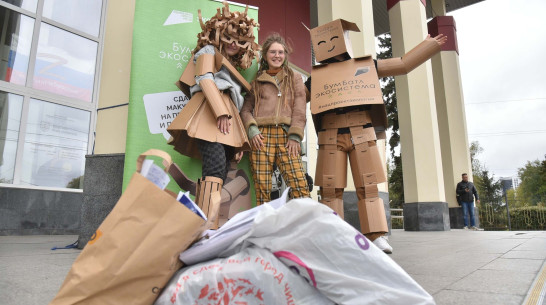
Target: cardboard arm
205,65
414,58
214,98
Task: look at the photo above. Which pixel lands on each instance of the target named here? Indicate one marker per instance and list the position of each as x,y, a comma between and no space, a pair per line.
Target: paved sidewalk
473,267
456,267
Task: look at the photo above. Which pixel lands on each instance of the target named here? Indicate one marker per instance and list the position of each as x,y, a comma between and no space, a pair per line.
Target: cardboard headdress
229,26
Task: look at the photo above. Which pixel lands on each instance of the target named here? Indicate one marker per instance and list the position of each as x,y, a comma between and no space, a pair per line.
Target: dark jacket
465,196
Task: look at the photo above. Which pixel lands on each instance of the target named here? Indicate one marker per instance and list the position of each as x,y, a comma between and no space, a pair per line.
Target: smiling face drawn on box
331,40
328,46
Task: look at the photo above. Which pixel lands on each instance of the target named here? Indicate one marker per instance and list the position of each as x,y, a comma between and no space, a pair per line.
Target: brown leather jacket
272,109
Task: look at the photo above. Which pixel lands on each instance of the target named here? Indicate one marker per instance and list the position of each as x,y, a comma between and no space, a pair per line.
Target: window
84,14
49,58
16,31
10,119
55,145
65,63
29,5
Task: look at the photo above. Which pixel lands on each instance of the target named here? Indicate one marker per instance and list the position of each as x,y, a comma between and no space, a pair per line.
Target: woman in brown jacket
274,116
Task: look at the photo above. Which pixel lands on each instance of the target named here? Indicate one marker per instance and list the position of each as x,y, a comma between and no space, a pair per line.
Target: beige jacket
272,108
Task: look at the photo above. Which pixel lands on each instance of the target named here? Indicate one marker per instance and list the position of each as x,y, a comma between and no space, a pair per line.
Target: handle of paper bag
178,175
167,161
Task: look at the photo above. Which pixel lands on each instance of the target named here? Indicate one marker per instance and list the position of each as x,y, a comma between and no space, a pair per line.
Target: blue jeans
468,207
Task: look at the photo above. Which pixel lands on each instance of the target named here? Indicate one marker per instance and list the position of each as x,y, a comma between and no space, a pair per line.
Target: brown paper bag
134,252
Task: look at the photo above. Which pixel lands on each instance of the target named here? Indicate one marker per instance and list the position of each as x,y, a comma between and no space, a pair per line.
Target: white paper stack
154,173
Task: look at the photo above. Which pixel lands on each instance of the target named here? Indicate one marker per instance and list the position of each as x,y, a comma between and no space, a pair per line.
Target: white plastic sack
219,240
333,256
252,276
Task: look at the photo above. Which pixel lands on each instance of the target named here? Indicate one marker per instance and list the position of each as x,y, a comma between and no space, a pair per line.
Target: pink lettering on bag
285,255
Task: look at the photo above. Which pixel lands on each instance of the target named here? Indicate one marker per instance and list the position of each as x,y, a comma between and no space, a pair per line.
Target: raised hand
440,39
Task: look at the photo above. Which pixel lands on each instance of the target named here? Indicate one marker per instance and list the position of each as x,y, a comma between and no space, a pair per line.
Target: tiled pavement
456,267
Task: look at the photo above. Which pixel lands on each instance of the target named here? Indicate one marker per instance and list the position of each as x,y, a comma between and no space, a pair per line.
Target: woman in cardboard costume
345,125
274,115
209,126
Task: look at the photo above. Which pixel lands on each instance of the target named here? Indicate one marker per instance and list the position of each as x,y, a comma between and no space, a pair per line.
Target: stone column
451,112
425,207
104,169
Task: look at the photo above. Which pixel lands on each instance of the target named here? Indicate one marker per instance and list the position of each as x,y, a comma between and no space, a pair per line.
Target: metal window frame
30,93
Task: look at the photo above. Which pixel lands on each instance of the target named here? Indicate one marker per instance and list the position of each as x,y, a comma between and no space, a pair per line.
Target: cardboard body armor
347,104
197,120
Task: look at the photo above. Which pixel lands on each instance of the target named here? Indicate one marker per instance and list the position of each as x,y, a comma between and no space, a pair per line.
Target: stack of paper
154,173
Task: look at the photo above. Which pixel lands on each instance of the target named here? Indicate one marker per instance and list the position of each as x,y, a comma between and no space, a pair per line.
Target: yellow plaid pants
275,152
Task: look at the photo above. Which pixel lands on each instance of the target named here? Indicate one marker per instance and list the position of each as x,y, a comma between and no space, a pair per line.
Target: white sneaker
474,228
465,228
383,245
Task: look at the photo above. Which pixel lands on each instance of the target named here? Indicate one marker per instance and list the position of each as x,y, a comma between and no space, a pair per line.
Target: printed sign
164,35
349,83
162,108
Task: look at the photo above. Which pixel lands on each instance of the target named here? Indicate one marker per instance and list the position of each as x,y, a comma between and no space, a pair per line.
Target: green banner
164,34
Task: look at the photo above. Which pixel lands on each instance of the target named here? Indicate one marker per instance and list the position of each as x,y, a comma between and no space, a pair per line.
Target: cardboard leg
336,205
331,170
328,198
209,198
379,166
371,213
361,163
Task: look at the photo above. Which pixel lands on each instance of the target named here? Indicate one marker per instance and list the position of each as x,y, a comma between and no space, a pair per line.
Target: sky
502,56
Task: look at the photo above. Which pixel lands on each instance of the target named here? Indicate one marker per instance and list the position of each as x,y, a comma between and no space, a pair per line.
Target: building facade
64,95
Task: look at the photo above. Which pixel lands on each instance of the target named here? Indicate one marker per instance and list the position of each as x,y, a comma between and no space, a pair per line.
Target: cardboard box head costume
332,40
346,101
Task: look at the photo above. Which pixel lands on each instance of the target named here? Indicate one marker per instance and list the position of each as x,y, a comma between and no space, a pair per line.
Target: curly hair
288,81
227,27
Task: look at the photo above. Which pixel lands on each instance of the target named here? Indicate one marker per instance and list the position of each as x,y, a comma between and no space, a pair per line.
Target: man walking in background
466,191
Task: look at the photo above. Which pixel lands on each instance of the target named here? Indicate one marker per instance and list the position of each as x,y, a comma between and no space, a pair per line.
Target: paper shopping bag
134,252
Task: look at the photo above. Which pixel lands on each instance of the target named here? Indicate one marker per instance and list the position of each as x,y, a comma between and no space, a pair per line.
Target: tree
489,189
513,199
389,93
532,189
75,183
396,181
475,149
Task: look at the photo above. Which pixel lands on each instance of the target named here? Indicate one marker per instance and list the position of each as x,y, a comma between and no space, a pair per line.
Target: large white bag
333,256
252,276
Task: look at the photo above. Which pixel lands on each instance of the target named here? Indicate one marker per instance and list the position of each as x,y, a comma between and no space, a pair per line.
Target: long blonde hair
288,79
